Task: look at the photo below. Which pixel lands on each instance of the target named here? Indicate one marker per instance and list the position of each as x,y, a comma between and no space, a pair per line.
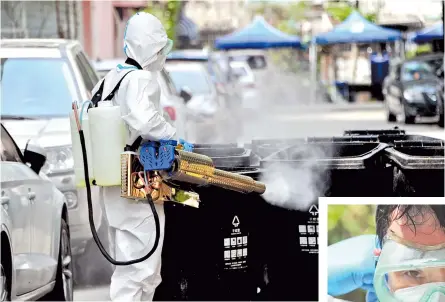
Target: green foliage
340,11
345,221
420,49
284,14
168,12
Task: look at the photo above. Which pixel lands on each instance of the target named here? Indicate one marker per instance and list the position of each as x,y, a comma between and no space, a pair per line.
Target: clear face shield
410,272
159,60
167,48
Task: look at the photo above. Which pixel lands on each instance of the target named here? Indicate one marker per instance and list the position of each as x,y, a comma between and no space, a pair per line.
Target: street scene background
304,92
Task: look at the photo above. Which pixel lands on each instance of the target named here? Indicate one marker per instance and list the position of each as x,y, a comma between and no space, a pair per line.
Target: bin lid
226,156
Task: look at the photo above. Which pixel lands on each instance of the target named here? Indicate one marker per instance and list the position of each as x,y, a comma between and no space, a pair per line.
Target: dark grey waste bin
418,161
418,167
347,166
266,147
209,253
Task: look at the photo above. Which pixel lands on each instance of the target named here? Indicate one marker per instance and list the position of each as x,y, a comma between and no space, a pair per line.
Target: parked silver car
246,79
40,80
35,237
172,104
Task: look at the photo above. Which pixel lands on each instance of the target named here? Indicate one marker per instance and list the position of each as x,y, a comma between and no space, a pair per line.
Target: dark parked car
440,105
410,90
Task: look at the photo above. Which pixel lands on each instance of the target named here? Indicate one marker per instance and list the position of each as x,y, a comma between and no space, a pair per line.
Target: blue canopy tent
257,35
429,34
356,29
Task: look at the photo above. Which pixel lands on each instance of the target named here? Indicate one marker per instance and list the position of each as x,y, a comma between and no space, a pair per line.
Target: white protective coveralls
132,224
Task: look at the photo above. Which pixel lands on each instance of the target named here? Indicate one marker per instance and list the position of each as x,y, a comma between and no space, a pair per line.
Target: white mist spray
296,185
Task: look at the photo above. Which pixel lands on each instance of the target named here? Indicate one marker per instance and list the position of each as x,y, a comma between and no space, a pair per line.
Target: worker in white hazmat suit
132,225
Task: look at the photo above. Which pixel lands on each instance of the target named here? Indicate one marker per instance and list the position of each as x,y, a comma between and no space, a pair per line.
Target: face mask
429,292
158,64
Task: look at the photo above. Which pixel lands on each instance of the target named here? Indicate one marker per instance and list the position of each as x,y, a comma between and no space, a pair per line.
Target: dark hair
383,216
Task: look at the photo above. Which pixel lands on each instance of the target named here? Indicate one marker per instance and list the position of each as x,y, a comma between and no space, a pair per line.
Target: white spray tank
108,133
77,147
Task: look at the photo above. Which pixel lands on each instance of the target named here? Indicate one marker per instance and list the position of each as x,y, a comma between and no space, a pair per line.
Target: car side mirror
34,155
186,94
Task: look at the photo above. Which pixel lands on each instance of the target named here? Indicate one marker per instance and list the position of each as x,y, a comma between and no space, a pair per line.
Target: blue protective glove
187,146
371,296
351,265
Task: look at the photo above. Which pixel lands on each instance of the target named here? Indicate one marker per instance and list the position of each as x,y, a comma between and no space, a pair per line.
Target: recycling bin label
308,233
235,247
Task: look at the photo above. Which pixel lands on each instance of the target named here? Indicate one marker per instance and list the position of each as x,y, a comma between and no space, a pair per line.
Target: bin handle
414,162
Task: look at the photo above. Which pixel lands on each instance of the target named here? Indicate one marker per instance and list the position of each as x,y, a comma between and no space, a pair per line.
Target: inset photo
384,249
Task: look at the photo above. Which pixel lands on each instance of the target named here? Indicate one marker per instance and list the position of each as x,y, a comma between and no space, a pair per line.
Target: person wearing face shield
146,46
408,256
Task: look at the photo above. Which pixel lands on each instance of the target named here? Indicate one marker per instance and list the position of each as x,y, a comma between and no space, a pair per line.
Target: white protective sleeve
143,117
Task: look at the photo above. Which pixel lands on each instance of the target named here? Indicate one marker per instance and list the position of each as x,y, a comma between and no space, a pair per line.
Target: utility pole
443,11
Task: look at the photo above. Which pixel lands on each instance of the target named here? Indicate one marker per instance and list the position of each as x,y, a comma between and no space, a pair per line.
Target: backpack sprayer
159,172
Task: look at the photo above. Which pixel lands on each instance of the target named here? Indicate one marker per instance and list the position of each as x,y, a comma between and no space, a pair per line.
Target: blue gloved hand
187,146
351,265
371,296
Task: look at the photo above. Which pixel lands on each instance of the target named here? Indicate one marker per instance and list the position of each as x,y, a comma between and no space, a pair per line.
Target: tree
340,11
169,12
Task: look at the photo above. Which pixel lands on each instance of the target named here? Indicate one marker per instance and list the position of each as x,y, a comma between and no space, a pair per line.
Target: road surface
302,121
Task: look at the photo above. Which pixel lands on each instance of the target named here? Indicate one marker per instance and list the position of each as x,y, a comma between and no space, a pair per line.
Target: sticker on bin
302,228
311,228
226,254
312,241
233,254
235,240
239,253
303,241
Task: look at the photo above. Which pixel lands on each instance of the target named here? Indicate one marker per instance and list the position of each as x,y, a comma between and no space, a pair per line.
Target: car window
9,150
89,76
416,70
257,62
239,71
254,61
46,89
436,64
196,80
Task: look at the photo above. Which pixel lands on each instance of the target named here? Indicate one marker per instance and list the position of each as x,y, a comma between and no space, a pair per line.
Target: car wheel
410,119
63,289
5,279
392,117
441,121
407,119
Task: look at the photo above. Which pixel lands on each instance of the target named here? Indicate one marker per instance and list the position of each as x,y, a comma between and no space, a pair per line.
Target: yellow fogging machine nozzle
199,169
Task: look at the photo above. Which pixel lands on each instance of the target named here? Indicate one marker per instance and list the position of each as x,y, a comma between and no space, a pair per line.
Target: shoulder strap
98,95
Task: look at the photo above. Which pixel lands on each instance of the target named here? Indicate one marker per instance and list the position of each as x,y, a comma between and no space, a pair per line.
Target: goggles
410,272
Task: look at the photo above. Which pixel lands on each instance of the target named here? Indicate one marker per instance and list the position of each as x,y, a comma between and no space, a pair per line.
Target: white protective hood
144,37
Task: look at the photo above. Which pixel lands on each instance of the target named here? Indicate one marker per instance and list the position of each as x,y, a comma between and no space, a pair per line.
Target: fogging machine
160,172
